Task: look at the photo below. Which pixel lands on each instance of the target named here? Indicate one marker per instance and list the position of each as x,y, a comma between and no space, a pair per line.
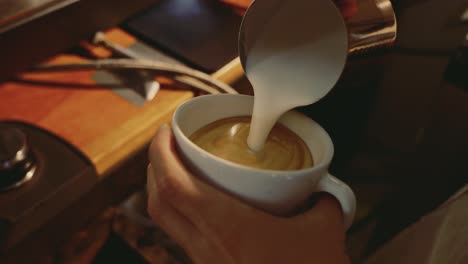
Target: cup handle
342,193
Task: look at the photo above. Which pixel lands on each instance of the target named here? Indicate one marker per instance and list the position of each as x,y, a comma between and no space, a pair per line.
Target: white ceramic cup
277,192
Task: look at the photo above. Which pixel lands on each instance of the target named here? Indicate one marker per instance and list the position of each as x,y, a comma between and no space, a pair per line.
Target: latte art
227,139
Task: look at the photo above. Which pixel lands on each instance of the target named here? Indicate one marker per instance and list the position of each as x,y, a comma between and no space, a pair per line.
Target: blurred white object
440,237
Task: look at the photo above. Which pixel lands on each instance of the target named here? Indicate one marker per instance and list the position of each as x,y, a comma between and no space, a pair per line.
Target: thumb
203,204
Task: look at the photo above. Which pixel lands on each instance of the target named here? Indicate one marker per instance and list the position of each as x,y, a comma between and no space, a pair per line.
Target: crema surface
227,139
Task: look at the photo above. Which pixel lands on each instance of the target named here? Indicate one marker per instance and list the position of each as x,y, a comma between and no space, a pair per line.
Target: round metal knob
17,164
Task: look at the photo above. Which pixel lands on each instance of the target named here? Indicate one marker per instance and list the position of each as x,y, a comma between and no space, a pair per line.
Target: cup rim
316,167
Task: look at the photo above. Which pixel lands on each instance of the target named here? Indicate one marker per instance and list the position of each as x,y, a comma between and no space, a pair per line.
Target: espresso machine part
41,176
17,163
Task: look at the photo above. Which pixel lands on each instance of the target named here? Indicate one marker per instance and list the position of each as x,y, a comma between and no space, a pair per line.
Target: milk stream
275,74
292,64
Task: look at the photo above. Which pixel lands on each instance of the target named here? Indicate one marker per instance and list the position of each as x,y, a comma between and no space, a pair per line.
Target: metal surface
146,81
13,147
17,163
372,26
33,31
198,79
202,34
61,177
16,12
139,50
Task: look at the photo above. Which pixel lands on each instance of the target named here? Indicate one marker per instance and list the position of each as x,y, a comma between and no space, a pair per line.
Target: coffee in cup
227,139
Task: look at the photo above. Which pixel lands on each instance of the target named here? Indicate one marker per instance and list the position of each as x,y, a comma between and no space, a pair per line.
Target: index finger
326,210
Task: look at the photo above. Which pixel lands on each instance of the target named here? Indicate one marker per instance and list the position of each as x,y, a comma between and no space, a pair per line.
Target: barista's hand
347,7
216,228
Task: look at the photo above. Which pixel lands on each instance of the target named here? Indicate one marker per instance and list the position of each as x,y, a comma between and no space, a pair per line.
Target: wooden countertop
98,122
